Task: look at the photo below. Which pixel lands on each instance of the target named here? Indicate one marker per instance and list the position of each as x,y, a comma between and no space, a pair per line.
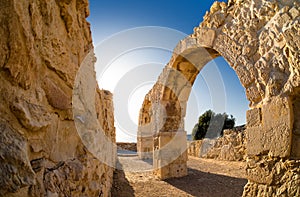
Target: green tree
212,125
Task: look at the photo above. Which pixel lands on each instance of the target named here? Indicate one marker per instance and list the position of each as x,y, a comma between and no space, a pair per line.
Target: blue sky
109,17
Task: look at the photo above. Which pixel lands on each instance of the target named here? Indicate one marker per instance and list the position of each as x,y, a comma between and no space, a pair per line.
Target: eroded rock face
260,40
16,171
42,46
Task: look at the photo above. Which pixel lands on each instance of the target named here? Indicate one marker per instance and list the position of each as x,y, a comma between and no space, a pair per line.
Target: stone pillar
145,141
145,147
269,168
145,134
170,156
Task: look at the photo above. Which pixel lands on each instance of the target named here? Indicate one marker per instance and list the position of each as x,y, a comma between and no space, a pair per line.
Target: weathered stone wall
145,133
260,39
42,46
126,146
230,147
194,148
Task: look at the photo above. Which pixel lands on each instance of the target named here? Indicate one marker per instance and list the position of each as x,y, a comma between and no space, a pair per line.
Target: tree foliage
211,125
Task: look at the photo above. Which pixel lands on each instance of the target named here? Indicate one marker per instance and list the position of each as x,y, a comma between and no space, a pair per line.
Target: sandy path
205,178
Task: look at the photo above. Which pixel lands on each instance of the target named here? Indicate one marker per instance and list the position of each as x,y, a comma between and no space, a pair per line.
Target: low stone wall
229,147
194,148
126,146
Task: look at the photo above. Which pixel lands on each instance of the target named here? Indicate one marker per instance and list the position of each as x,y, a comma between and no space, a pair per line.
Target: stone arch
144,135
260,41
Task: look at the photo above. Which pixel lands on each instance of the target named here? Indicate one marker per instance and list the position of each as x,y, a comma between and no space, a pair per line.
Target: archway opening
225,95
220,156
171,92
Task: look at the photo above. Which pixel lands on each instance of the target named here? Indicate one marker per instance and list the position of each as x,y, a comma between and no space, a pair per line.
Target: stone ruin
229,147
260,39
42,46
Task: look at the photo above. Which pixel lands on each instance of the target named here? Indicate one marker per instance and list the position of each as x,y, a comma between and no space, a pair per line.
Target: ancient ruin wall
42,46
260,41
130,146
229,147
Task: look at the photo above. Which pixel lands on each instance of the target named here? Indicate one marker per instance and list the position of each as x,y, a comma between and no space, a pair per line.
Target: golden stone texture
42,46
260,40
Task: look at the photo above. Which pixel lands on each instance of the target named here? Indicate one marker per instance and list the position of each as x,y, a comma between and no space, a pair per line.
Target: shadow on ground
121,186
148,161
200,184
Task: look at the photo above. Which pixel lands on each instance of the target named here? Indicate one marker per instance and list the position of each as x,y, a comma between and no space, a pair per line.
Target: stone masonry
260,40
229,147
42,46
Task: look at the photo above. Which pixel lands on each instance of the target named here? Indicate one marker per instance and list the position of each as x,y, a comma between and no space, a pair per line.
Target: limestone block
36,145
188,42
263,70
253,93
183,106
70,176
178,170
274,85
185,93
291,35
277,112
31,116
248,65
283,19
170,123
272,142
172,108
275,135
262,171
172,150
206,37
56,96
55,145
206,147
194,148
282,178
253,117
280,42
244,75
16,171
186,67
266,42
227,153
228,48
168,93
294,12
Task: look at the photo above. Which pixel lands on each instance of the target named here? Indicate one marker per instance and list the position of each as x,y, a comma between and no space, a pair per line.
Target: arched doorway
218,98
264,55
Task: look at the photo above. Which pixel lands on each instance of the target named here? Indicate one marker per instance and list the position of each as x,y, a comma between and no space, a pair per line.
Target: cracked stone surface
42,46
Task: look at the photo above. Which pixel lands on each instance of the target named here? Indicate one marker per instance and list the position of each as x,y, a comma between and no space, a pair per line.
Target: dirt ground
207,178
